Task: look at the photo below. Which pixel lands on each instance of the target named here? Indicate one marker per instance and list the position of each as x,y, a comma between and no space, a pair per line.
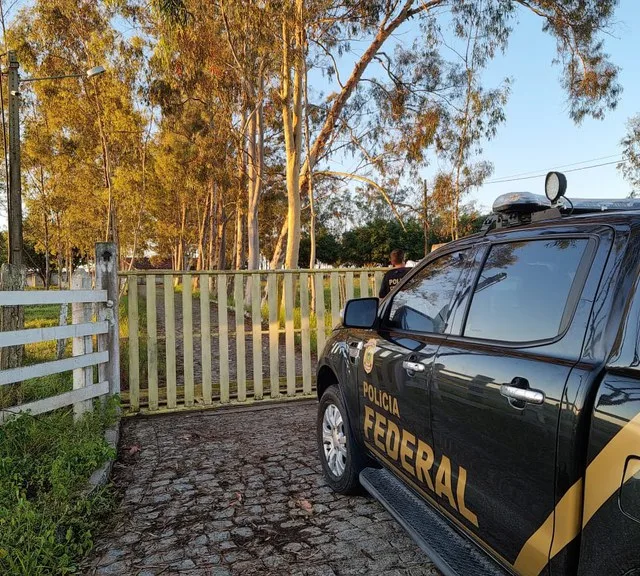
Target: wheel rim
334,440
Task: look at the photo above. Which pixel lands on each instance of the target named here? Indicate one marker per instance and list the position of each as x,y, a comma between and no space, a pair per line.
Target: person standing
392,277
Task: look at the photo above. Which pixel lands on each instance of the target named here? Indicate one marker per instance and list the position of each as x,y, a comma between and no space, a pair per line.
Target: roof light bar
521,203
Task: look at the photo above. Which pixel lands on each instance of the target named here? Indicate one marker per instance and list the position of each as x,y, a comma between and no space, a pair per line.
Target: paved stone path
240,492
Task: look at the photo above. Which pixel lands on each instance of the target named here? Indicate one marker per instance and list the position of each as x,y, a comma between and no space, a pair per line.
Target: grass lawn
37,388
46,521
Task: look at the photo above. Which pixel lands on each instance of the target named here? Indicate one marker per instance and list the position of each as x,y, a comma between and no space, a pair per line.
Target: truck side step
451,552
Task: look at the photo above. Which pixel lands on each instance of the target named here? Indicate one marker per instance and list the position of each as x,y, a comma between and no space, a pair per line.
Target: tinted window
523,290
423,304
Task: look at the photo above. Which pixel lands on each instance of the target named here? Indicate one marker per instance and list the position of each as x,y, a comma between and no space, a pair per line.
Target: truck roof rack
589,205
521,208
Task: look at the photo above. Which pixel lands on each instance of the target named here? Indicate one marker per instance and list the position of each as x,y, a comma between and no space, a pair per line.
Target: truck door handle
412,367
522,394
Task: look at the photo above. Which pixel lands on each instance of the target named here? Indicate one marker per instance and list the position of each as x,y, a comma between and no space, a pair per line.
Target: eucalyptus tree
87,130
416,89
630,165
394,105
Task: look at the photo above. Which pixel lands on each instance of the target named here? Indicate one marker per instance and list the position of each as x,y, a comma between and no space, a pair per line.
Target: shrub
47,522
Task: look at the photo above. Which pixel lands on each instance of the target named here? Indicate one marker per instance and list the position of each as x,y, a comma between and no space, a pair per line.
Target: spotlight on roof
555,186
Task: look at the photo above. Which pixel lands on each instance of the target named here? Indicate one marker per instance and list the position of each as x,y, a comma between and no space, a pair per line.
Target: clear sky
538,134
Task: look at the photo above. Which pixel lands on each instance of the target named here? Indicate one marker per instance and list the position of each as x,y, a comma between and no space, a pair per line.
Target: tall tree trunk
293,57
69,264
213,223
115,234
387,27
60,265
45,221
202,232
278,252
463,144
256,162
256,168
180,249
222,257
239,237
134,248
312,210
174,256
47,256
143,195
202,214
243,154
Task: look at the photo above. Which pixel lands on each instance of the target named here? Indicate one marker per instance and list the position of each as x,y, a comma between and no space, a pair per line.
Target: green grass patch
38,388
47,523
44,315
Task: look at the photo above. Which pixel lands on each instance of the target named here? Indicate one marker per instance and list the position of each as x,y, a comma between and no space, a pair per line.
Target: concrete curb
101,476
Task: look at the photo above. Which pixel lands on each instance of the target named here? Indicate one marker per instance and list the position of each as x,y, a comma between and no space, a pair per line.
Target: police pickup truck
491,402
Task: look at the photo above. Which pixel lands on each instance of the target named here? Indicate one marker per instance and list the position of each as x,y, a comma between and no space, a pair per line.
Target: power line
545,173
557,167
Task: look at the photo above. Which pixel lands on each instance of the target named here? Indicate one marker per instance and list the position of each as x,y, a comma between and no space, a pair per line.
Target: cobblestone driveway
240,492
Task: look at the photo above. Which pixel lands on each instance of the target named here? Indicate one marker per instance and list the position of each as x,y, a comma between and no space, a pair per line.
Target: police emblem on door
369,353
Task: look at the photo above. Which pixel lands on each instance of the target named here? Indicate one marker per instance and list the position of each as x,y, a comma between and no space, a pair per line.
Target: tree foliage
216,135
630,165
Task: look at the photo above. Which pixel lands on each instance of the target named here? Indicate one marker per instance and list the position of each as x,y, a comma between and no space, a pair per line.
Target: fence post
107,279
134,344
61,344
80,314
290,350
12,277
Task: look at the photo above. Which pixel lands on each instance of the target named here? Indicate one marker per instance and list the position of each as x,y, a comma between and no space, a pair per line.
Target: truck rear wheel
342,459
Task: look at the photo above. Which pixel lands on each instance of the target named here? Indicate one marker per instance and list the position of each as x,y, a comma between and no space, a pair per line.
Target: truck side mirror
361,313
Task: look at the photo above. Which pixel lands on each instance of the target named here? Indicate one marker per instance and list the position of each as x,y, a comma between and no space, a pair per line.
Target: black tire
348,482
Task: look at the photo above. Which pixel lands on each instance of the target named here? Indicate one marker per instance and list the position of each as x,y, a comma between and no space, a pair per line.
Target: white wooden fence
94,314
206,338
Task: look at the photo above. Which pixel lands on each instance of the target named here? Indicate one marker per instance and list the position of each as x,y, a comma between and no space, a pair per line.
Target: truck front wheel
342,459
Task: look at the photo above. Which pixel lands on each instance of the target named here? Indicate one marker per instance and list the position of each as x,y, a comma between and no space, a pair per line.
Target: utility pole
15,184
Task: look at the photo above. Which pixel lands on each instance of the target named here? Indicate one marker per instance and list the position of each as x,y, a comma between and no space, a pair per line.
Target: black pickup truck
491,402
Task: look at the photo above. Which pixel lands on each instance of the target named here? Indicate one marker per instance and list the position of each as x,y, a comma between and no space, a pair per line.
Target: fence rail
86,303
35,297
37,335
201,338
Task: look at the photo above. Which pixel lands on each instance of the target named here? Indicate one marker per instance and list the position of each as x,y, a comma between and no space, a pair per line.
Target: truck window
423,303
523,290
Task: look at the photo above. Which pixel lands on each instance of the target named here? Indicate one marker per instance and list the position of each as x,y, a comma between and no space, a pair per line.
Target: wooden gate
207,338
